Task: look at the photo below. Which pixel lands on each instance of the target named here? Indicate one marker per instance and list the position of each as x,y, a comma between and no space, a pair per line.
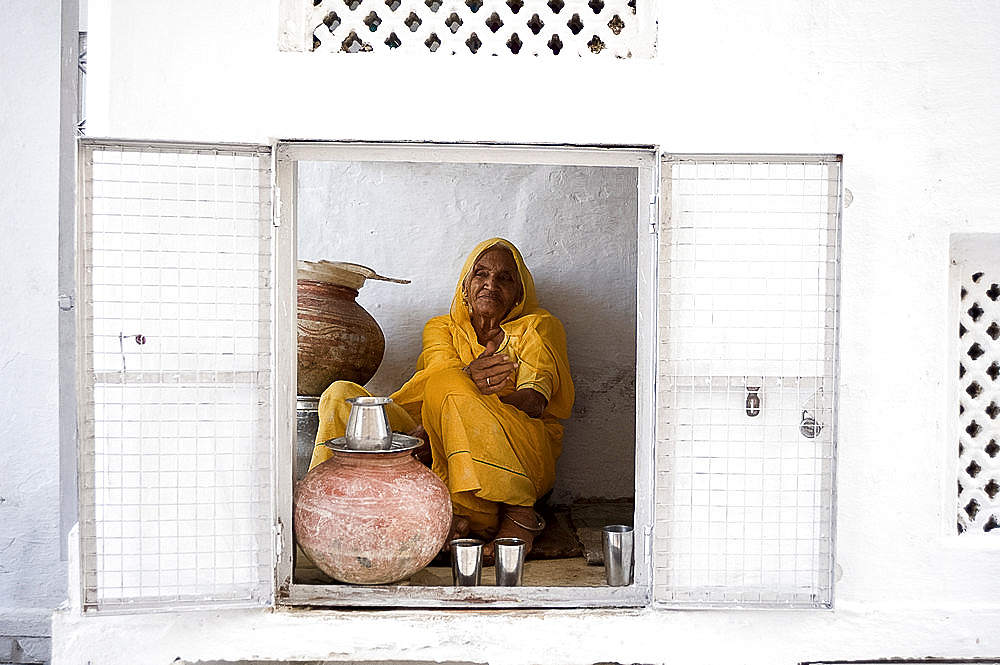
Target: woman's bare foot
516,522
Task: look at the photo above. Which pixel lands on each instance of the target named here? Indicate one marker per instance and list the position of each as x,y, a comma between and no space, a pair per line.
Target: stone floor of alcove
567,553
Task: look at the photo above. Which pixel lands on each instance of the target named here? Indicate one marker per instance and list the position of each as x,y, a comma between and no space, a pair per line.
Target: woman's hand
423,453
490,371
527,400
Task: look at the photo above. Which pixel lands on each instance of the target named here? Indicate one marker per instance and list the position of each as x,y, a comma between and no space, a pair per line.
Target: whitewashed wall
907,92
32,572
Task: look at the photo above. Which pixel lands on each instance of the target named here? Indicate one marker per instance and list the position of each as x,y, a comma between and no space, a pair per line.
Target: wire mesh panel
175,298
746,384
979,401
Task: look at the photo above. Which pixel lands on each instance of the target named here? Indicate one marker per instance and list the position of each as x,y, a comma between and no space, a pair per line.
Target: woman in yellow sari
491,384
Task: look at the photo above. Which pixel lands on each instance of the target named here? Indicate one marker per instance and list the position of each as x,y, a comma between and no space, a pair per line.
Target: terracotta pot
337,338
371,517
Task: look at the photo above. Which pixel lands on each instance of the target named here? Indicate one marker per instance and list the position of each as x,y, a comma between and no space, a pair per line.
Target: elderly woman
491,384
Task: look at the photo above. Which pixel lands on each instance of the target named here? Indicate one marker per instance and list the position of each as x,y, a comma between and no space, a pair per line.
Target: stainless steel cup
466,561
617,541
509,561
368,424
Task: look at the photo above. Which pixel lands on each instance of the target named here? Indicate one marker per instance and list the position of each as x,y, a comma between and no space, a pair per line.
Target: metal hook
140,339
810,427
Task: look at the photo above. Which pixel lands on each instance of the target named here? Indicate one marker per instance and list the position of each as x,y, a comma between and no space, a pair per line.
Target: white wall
908,93
32,574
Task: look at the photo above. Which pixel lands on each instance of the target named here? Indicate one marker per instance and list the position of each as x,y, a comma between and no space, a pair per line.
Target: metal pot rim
400,443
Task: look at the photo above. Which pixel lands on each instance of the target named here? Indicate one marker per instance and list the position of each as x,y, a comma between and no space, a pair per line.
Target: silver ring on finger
488,381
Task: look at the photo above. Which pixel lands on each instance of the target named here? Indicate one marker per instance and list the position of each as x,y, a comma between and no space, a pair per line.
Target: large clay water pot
370,516
337,338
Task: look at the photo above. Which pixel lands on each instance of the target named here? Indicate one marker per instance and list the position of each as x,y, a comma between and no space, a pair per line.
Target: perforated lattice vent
620,28
979,404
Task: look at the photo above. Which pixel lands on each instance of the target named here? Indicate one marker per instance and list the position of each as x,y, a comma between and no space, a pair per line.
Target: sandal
525,532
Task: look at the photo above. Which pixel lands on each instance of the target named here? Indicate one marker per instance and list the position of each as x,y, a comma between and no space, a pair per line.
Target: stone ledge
25,650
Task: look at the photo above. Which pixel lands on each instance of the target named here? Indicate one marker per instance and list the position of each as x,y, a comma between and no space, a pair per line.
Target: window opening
413,212
187,472
747,382
612,28
175,375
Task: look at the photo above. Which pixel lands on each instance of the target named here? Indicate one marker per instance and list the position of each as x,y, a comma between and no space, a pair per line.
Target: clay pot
371,517
337,338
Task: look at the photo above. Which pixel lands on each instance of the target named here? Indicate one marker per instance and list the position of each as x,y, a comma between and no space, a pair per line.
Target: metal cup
368,424
617,541
509,561
466,561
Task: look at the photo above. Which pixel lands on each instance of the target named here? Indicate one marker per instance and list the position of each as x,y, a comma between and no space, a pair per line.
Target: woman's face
494,285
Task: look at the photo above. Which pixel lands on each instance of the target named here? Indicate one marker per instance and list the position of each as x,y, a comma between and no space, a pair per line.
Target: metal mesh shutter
746,385
174,292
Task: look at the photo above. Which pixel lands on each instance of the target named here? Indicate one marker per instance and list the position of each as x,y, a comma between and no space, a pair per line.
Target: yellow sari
485,451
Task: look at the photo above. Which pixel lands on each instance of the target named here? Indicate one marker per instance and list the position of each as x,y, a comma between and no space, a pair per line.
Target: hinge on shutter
278,535
276,206
653,221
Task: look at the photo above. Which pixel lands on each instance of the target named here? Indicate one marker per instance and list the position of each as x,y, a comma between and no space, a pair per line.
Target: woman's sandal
523,531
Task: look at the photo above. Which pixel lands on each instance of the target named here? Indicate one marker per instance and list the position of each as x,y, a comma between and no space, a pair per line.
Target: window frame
637,594
651,223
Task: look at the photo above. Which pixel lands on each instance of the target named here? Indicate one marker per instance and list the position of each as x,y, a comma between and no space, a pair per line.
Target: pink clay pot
371,518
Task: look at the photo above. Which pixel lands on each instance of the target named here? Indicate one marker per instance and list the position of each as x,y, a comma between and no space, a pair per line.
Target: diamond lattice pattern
979,404
482,27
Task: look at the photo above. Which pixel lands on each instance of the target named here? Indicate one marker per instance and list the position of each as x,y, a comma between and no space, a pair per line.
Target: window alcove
699,295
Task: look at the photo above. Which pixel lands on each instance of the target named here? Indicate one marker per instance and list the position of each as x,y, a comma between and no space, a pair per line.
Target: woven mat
589,516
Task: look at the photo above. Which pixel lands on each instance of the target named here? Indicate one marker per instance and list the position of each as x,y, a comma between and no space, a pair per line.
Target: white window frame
748,306
636,594
648,228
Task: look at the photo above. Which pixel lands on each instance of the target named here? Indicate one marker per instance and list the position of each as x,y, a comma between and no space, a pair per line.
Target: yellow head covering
527,304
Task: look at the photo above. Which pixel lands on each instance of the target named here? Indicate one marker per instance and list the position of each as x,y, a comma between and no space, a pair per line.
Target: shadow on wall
576,227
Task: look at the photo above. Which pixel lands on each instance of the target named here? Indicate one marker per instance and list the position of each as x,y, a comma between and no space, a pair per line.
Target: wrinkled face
493,286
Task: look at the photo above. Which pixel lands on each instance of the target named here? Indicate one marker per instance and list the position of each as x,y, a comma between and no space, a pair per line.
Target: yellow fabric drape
485,451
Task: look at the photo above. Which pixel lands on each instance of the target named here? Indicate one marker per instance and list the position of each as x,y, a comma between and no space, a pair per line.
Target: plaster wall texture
32,574
907,92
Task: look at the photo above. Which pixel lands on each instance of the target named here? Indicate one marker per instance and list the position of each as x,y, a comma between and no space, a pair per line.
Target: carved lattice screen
618,28
979,403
